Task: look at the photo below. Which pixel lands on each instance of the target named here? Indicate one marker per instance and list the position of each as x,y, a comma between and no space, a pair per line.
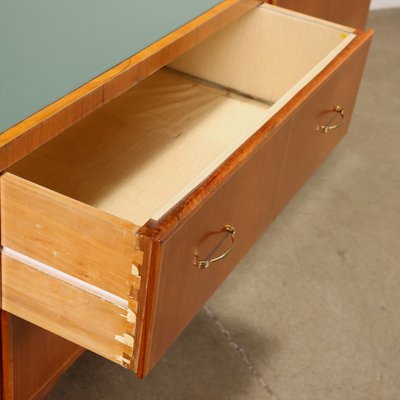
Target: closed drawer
319,124
104,228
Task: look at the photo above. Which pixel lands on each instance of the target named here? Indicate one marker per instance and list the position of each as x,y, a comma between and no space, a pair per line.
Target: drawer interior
139,155
267,54
134,155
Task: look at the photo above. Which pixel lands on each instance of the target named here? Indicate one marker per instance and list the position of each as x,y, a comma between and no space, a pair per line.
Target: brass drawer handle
327,128
204,264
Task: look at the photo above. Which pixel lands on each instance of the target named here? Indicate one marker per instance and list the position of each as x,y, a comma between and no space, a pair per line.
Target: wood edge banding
146,303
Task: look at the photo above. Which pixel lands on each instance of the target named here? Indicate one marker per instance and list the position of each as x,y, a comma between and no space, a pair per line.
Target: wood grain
34,358
67,311
73,237
47,123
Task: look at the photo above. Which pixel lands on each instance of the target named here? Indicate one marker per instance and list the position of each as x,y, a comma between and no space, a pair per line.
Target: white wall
376,4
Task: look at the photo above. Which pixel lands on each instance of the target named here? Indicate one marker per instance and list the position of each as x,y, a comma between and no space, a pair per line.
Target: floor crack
242,354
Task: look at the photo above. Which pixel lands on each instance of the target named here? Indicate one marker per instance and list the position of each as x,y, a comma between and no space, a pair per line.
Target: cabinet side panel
35,358
7,357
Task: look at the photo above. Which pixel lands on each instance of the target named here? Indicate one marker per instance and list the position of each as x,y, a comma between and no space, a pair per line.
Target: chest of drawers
162,172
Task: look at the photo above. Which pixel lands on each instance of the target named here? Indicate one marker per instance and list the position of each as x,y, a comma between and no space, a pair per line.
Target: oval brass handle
204,264
327,128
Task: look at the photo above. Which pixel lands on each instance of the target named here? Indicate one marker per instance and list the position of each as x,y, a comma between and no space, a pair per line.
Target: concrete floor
313,312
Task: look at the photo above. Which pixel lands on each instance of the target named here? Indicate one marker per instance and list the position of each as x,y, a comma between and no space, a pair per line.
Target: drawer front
244,201
309,143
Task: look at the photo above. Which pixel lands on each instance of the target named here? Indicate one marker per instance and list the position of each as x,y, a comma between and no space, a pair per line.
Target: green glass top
50,47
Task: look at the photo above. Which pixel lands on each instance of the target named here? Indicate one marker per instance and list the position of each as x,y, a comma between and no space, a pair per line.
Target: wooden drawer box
108,230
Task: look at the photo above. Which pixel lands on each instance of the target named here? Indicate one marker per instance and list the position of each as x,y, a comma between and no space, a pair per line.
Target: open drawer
116,232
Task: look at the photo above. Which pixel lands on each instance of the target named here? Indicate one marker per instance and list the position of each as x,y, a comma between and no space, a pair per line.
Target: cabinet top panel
49,48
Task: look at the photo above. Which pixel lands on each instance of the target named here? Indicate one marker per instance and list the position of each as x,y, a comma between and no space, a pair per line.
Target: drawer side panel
73,237
67,311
